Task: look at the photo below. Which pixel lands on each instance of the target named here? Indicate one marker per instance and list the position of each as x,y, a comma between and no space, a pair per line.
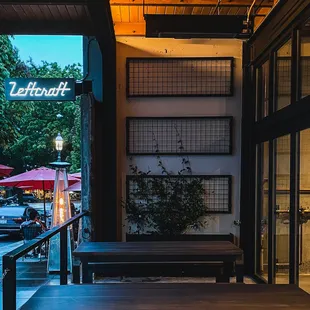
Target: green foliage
10,114
167,205
28,129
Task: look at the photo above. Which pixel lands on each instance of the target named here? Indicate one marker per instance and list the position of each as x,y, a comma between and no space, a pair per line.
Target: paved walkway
31,274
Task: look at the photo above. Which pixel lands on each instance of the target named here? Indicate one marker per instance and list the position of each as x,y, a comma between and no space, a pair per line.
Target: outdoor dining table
159,251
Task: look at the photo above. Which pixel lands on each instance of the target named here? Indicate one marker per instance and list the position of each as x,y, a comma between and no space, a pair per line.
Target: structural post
87,143
9,283
64,256
99,190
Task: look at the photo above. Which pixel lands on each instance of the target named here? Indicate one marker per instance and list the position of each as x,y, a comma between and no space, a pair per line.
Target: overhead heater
197,26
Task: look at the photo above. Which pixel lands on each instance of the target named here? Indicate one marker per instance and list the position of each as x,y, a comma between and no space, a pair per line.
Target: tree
42,120
10,112
28,129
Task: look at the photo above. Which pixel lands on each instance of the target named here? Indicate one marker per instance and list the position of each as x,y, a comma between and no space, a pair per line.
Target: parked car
13,200
11,218
29,197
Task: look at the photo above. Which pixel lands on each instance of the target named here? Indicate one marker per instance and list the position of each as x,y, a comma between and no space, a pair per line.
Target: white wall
208,106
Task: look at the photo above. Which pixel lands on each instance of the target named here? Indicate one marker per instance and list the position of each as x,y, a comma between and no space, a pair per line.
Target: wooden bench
95,256
172,296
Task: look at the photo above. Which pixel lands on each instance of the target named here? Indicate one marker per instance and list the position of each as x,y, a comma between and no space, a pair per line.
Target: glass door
304,211
282,209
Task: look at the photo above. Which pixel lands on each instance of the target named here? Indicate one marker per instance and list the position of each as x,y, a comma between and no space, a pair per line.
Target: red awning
76,175
41,178
76,187
5,170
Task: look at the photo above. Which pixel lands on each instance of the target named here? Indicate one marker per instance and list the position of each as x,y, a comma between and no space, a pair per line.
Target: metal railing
9,260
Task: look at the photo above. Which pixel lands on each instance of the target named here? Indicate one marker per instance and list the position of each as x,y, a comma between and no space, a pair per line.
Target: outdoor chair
30,232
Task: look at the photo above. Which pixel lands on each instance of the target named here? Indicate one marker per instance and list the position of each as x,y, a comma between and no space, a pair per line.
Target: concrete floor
304,281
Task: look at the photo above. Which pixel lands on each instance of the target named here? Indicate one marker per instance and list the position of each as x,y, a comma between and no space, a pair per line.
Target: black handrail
9,260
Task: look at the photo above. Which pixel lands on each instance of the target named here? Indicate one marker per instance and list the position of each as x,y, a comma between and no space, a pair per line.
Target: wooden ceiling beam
129,29
230,3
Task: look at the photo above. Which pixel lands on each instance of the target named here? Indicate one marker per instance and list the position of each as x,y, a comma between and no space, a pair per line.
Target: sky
64,50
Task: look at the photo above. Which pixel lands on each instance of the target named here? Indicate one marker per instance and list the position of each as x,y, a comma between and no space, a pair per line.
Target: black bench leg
239,272
225,273
76,273
86,275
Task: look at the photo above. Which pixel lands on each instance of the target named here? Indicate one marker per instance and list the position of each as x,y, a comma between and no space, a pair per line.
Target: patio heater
61,211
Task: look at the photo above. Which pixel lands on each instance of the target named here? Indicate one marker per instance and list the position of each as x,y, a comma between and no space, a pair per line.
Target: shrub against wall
166,206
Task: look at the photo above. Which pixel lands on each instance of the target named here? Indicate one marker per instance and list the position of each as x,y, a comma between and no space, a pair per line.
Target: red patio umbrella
41,178
5,170
76,187
76,175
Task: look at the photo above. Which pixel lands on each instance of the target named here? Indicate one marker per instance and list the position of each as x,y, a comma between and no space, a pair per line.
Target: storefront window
283,65
305,60
262,210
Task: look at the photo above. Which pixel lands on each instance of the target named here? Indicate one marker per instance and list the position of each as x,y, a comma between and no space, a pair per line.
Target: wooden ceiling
128,15
42,17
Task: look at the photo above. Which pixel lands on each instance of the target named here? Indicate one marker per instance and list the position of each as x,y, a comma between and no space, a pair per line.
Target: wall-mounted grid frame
218,189
179,135
180,77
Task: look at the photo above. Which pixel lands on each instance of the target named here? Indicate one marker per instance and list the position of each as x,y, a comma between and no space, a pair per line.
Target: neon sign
40,89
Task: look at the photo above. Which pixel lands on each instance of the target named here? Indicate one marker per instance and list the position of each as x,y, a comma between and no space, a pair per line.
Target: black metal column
294,171
271,213
9,283
64,256
247,196
105,206
88,168
272,179
294,210
259,204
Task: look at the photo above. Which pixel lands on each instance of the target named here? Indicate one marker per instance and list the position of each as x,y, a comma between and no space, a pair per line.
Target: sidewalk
31,275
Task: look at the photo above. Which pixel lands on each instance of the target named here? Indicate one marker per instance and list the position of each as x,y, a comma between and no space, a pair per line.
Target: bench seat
172,296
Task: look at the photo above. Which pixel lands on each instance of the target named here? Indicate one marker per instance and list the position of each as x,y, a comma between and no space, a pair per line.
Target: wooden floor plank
170,296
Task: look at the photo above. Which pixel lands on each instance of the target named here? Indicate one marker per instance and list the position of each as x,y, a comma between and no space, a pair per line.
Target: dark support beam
87,164
294,170
247,199
289,119
101,17
105,200
271,211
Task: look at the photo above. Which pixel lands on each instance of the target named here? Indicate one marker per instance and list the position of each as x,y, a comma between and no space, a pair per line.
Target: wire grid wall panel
149,77
305,76
217,190
284,76
184,135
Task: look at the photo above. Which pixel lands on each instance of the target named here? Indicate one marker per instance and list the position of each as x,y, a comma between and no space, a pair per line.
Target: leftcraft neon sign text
33,90
40,89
